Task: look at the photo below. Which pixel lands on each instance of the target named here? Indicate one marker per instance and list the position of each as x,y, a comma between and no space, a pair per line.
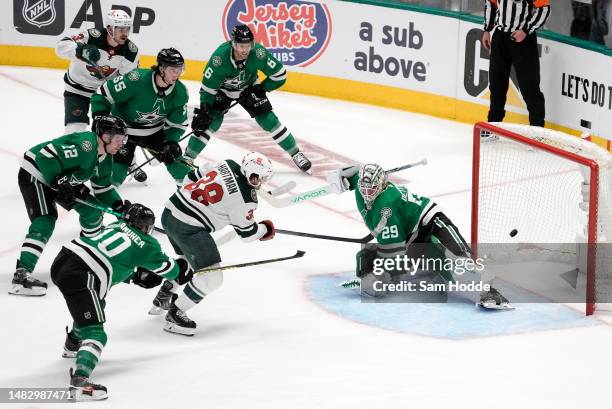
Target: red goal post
528,174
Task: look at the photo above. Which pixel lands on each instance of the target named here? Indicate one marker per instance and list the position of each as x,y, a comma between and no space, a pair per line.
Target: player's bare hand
486,40
518,36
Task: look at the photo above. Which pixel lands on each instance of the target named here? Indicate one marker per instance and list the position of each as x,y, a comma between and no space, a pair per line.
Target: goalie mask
256,168
372,182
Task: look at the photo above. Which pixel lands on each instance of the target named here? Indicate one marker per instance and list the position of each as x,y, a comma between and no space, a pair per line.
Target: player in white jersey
210,199
95,57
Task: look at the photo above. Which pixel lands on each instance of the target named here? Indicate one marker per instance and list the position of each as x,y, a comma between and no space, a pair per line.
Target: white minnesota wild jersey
214,197
84,78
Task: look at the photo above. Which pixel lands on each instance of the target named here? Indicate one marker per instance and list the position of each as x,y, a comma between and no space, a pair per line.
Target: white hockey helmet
257,169
117,18
372,182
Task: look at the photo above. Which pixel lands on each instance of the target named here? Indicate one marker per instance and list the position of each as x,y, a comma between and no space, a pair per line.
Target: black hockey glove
121,206
170,152
88,53
96,116
258,89
66,194
145,278
202,119
185,272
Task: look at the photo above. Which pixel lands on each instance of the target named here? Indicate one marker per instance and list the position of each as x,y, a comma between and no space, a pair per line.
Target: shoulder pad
133,75
94,32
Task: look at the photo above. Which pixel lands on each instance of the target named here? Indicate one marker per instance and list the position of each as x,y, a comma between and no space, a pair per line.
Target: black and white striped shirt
513,15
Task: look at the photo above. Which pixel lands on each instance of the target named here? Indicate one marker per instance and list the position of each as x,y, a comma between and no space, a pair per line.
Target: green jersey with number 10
114,253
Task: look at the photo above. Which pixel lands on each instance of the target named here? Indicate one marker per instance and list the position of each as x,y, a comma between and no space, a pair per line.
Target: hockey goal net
538,192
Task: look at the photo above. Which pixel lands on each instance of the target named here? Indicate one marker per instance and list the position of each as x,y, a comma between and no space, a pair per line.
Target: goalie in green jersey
55,172
400,219
231,75
153,104
86,269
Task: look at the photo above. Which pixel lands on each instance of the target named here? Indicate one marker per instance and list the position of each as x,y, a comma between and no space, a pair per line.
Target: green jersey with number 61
403,211
76,156
224,74
135,98
114,253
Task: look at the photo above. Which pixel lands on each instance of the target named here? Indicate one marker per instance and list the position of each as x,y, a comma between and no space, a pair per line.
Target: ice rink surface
285,335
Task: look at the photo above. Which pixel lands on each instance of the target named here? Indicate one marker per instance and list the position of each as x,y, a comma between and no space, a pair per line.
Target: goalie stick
322,191
298,254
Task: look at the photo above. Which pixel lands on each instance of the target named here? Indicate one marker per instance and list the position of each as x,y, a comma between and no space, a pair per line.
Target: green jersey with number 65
76,156
403,211
222,73
135,98
114,253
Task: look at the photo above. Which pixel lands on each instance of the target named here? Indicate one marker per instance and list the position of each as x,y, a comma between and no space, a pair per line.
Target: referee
514,43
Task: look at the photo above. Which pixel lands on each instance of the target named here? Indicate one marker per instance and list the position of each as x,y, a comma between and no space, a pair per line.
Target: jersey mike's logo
39,16
296,32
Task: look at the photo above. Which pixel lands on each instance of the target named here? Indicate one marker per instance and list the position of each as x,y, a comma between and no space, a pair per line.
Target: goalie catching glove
339,179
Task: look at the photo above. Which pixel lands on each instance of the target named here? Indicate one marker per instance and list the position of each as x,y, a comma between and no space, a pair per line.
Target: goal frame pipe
593,196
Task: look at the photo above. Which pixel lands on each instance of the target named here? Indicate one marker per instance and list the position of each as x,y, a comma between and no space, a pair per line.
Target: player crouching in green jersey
153,104
84,271
231,75
400,219
55,172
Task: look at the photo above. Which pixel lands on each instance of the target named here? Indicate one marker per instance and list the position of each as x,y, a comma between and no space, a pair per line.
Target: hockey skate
178,322
71,346
163,300
25,284
83,390
493,300
302,162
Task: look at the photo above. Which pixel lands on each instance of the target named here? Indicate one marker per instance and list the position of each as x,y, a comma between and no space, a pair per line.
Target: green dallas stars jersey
222,73
403,210
114,253
74,155
135,98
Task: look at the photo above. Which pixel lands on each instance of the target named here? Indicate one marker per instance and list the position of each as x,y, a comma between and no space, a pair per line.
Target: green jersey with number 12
76,156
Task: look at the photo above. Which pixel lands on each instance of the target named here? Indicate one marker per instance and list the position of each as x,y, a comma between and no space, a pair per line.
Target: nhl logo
41,17
39,13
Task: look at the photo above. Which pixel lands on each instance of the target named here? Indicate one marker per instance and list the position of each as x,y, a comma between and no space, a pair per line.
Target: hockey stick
363,240
153,157
298,254
366,239
324,190
408,166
